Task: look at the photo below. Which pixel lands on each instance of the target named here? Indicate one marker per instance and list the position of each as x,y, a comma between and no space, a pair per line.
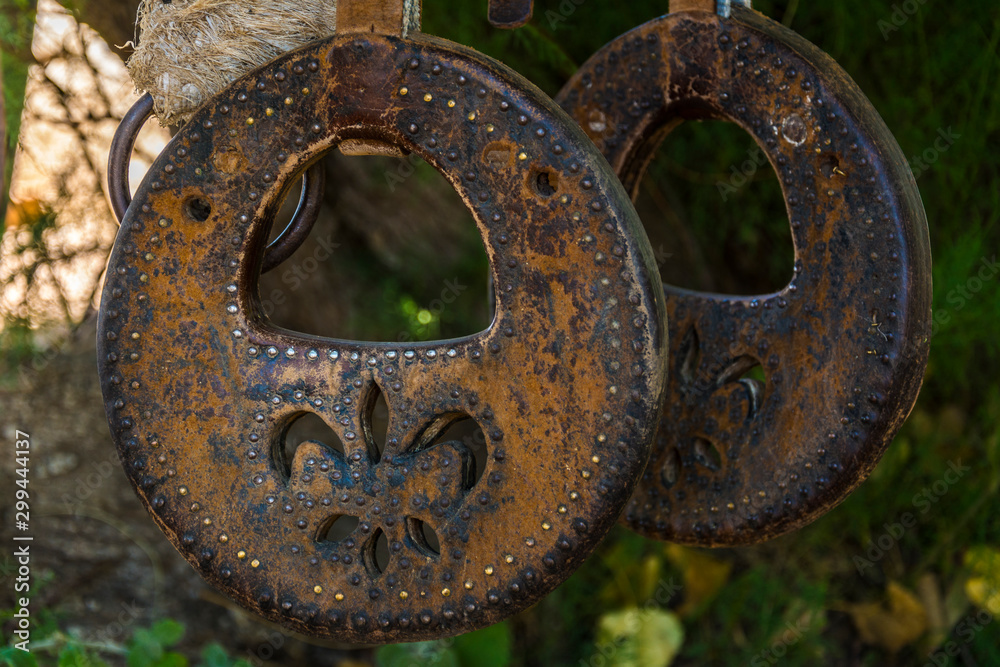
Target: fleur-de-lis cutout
722,402
401,497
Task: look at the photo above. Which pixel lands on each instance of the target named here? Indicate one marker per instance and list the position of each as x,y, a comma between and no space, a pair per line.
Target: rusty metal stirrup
778,405
280,249
566,384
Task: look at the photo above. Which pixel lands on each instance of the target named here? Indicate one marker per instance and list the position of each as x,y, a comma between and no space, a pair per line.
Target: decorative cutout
336,528
731,400
424,537
303,427
436,475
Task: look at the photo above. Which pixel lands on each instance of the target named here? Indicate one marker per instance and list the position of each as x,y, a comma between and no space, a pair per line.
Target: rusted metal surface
510,13
566,383
280,249
740,458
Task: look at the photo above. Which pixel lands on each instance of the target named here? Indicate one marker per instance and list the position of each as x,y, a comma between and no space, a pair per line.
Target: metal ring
297,231
121,154
280,249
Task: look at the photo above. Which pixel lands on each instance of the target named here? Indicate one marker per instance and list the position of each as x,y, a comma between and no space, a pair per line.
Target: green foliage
489,647
17,18
16,657
148,648
214,655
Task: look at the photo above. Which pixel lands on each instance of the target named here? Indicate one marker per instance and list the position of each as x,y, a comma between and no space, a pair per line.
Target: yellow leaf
893,624
634,637
983,587
703,576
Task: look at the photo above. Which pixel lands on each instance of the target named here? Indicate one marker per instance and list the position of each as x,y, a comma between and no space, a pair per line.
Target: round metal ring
565,384
779,405
279,250
120,156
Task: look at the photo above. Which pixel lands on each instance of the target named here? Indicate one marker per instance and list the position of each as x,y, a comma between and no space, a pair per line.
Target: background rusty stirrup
566,384
842,348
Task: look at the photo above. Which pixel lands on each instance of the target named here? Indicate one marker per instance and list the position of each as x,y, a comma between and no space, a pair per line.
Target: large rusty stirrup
843,346
566,383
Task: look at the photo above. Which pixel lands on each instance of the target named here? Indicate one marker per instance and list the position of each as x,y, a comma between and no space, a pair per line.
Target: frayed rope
189,50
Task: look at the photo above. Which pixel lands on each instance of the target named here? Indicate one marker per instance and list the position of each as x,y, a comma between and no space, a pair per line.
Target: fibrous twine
189,50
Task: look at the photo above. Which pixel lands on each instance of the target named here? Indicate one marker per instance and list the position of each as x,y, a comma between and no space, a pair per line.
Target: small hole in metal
198,209
546,183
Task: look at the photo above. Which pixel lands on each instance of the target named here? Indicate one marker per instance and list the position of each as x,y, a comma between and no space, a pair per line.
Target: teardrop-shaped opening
375,422
305,426
671,470
707,454
690,357
337,528
715,213
423,537
395,256
376,553
467,431
742,367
